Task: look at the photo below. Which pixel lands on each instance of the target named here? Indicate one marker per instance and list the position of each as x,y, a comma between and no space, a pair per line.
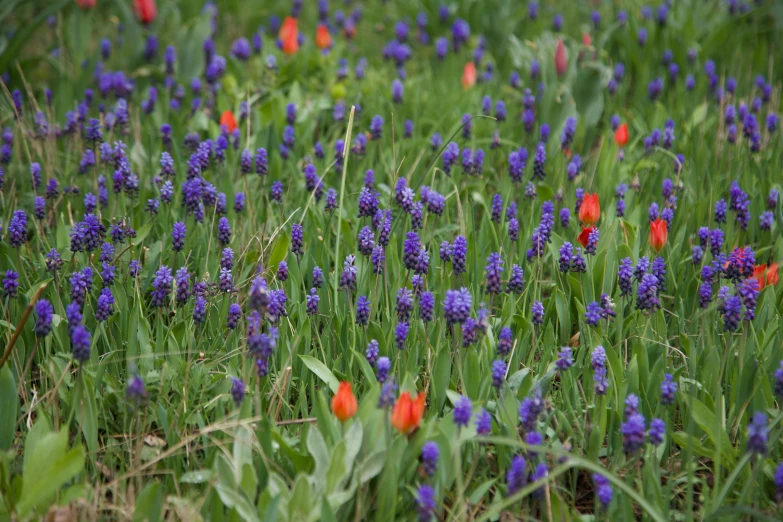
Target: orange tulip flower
772,274
469,75
659,232
561,61
584,235
621,135
323,40
760,275
145,10
590,209
586,39
344,403
227,120
407,413
289,34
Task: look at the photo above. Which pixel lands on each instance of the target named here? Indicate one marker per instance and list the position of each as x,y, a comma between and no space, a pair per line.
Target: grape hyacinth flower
600,381
668,389
564,359
43,321
382,368
462,412
757,433
429,458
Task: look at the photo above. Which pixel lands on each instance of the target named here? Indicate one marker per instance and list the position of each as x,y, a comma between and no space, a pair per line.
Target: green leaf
196,477
588,95
321,371
46,470
149,505
9,407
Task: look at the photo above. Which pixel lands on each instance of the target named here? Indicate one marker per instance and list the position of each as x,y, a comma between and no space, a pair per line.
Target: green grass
72,441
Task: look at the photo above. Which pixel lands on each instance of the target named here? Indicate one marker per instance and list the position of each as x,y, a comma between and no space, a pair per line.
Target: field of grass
337,260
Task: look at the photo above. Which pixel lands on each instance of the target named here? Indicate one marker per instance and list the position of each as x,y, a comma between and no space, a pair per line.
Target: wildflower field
303,260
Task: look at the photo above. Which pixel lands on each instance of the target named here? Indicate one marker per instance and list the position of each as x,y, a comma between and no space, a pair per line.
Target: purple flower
498,373
603,490
178,236
530,409
537,312
566,256
564,359
297,236
779,380
647,294
493,270
516,476
425,503
600,381
538,163
376,127
429,457
17,229
161,286
234,313
348,275
633,430
457,305
312,302
237,391
483,422
732,306
757,433
462,412
505,341
382,369
657,431
497,208
105,307
224,231
516,281
459,252
43,321
81,342
517,161
593,313
10,284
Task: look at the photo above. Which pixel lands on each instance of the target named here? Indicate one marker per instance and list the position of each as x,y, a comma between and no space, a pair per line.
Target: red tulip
760,275
584,235
586,39
407,413
469,75
323,40
145,10
344,403
289,35
561,61
228,121
772,274
86,4
621,135
659,232
590,209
